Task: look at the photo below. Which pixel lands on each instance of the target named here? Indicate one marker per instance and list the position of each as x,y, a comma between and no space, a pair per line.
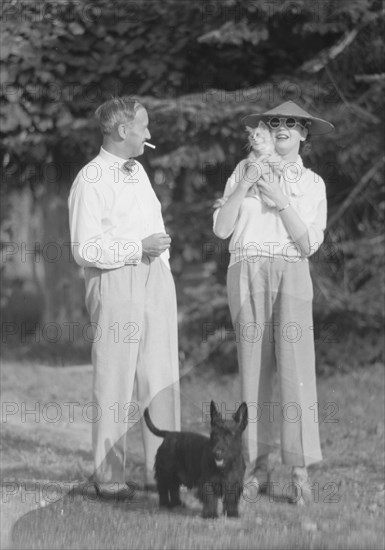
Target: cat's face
258,134
260,139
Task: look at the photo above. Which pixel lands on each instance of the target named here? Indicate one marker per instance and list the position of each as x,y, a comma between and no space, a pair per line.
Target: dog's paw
232,514
178,504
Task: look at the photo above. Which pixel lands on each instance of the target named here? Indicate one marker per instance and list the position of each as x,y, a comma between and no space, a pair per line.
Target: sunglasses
288,122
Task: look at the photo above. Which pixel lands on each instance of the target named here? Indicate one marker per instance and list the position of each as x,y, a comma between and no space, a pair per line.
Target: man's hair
117,110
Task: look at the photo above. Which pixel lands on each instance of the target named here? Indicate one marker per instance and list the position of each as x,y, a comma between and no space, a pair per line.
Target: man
118,237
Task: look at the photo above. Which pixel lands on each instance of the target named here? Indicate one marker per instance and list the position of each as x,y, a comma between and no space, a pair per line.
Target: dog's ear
214,413
240,416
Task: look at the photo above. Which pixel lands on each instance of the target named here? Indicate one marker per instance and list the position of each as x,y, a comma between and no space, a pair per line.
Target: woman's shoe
301,493
260,476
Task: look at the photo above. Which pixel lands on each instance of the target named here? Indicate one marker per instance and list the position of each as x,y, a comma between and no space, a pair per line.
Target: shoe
150,487
301,493
260,476
150,484
261,481
115,491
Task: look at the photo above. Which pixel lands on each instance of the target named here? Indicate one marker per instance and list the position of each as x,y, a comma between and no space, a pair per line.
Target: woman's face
287,140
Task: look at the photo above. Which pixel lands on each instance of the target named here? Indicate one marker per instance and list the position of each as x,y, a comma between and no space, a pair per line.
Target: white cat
262,149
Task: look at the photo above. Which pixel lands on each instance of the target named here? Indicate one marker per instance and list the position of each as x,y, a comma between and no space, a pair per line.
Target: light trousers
134,317
270,301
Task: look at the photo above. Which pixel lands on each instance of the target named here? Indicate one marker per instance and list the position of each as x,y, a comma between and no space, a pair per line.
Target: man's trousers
270,302
135,339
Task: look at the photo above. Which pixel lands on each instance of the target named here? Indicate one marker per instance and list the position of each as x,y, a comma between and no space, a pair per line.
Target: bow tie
128,166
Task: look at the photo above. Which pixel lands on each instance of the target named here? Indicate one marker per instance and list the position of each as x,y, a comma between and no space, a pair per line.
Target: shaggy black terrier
214,465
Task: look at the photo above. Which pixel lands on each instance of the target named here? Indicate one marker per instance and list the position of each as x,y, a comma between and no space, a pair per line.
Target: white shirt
259,230
110,213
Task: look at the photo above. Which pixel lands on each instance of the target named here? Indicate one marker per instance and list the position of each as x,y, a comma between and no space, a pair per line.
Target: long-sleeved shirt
259,230
110,212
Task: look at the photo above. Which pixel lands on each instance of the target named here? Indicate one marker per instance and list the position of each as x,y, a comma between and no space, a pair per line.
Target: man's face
287,140
136,133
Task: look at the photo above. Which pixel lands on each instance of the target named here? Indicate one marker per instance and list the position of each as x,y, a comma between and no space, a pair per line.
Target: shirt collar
111,158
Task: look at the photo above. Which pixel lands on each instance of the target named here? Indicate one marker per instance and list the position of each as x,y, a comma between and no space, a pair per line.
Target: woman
270,292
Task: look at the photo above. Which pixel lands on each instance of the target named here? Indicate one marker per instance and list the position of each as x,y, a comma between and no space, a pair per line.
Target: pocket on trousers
102,282
93,280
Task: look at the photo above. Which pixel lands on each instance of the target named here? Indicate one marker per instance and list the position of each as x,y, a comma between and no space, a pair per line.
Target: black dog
214,465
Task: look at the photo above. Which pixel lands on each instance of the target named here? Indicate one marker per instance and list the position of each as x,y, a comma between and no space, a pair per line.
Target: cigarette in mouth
150,145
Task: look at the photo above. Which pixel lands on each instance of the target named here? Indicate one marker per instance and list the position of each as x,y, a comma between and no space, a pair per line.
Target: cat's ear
262,125
249,129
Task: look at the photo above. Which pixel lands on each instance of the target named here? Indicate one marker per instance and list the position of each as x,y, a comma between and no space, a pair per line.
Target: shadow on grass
82,519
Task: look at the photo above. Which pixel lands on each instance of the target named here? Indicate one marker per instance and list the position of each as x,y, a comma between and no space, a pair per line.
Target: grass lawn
43,452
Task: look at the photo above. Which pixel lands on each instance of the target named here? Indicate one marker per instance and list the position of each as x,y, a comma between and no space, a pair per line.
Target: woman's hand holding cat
251,173
269,186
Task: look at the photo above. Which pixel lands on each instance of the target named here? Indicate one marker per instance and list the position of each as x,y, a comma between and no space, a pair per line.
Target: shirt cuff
316,237
120,253
133,253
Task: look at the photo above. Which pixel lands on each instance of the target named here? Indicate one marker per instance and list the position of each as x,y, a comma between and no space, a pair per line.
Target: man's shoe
150,484
115,491
150,487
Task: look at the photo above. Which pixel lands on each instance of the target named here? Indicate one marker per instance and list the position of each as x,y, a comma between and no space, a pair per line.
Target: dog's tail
151,427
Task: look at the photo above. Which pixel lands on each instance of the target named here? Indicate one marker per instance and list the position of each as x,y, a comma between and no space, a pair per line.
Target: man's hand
155,244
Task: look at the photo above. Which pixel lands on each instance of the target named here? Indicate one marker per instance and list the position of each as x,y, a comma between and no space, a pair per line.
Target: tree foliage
199,67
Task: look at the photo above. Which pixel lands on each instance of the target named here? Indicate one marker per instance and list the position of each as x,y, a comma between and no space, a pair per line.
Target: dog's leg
163,488
230,509
210,507
231,500
175,493
210,500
